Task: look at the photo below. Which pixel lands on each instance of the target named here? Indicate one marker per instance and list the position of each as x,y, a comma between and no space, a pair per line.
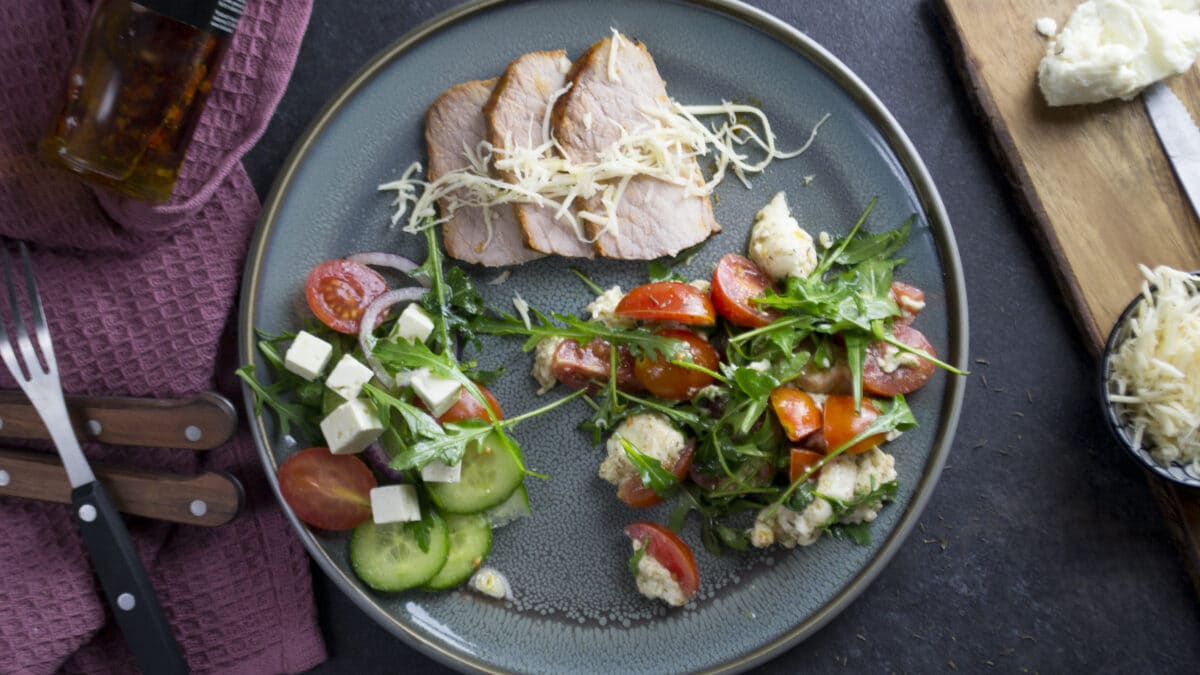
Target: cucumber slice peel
388,557
470,542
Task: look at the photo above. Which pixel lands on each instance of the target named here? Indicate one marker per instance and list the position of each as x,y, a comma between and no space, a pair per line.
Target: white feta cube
351,427
348,377
395,504
414,324
307,356
438,393
440,472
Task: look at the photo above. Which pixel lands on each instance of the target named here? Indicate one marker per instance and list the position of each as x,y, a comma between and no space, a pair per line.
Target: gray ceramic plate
576,607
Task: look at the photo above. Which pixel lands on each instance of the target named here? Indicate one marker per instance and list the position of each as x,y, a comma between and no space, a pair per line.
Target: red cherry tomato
736,281
634,493
667,380
338,292
842,423
670,551
332,492
904,378
801,460
668,301
797,412
909,299
467,407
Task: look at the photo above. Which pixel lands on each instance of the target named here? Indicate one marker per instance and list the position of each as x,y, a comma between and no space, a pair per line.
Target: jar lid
216,16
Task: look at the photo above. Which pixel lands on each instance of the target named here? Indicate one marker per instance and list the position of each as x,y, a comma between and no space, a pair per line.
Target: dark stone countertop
1041,549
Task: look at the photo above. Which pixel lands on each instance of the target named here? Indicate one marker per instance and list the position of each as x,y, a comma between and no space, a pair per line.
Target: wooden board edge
1004,148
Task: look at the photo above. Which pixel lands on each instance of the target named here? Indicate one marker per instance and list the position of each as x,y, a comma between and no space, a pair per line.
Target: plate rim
897,141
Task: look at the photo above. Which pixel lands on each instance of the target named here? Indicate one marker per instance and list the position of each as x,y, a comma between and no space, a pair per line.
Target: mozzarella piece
351,427
414,324
438,393
395,504
652,434
655,581
348,377
440,472
1115,48
778,245
307,356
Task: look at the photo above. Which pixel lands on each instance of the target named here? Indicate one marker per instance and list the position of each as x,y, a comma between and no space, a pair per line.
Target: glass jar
136,89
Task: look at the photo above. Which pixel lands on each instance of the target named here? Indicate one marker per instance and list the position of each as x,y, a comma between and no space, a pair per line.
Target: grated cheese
522,308
614,43
1155,372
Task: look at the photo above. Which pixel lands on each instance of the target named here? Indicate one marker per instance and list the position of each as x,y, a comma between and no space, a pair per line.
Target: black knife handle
126,583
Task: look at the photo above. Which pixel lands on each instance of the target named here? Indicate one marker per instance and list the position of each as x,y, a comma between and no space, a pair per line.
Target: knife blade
1179,137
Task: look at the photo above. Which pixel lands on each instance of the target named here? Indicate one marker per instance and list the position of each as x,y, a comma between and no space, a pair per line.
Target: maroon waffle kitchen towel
140,302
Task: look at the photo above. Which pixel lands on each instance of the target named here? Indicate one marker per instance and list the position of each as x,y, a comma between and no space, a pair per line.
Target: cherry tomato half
670,551
905,377
797,412
676,383
909,299
736,281
842,423
801,460
338,292
332,492
668,301
467,407
634,493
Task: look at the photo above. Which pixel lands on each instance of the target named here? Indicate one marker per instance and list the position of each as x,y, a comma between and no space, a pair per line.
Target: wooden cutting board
1093,179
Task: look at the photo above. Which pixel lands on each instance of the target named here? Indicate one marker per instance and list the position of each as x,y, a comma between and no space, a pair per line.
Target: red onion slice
389,260
366,326
379,459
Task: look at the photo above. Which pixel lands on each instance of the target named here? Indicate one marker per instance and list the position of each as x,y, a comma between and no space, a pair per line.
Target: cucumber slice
470,542
490,473
513,508
388,558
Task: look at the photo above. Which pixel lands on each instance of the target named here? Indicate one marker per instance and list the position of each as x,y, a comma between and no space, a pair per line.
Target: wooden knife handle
210,498
203,422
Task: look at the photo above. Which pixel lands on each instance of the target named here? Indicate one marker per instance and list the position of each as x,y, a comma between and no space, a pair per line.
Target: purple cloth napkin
141,302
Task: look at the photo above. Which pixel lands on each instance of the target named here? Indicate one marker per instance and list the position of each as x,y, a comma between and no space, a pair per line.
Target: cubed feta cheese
414,324
395,504
307,356
348,377
351,427
438,393
440,472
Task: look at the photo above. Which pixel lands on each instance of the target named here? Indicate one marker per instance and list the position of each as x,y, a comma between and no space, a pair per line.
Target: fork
122,576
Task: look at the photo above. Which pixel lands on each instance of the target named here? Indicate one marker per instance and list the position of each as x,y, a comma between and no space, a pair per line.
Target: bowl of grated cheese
1150,375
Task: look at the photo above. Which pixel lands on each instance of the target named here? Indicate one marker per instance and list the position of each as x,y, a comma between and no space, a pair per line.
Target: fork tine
39,314
6,348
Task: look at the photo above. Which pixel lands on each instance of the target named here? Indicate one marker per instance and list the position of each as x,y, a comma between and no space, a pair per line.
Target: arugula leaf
663,271
754,383
859,533
652,473
288,414
640,341
422,530
878,246
639,552
587,281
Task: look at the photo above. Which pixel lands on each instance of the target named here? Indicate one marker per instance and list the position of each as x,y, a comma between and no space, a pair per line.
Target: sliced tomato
670,551
668,301
798,413
666,380
736,282
332,492
634,493
909,299
905,377
338,292
801,460
579,366
467,407
842,423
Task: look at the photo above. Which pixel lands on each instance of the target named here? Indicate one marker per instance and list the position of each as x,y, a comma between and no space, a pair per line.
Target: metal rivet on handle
87,513
94,427
198,507
126,601
192,433
5,479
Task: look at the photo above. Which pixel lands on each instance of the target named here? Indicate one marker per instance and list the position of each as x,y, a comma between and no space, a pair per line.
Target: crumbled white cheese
603,309
825,239
778,245
652,434
1115,48
891,358
490,582
760,366
543,363
1155,371
655,581
522,308
875,468
1046,27
702,285
910,303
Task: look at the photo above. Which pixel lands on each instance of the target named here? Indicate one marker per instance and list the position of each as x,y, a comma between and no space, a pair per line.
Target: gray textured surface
1041,549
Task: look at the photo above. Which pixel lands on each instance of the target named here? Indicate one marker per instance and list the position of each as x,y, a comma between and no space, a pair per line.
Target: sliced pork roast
454,122
654,218
515,114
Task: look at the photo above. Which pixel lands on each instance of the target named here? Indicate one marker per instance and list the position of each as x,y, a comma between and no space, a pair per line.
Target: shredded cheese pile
664,149
1155,372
